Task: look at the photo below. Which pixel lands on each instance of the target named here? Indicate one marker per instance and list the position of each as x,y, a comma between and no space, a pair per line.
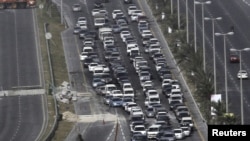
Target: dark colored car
166,89
139,137
234,58
98,4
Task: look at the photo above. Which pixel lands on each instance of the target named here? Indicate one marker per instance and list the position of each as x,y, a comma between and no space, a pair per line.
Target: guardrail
52,90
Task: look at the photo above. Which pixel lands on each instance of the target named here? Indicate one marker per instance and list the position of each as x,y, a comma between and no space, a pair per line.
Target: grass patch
59,67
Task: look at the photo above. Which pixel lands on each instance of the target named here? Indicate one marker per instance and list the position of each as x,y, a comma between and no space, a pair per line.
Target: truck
105,32
13,4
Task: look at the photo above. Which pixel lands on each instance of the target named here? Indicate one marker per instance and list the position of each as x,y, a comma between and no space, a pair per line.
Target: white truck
105,32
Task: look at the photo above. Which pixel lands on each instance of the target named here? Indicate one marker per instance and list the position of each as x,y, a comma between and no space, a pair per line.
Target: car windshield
116,99
153,129
140,129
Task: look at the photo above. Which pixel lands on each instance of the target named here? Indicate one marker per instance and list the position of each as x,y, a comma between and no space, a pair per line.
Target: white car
126,86
85,52
95,12
124,33
145,33
131,9
152,93
128,92
152,131
139,129
166,82
136,111
83,26
242,74
133,17
76,8
129,105
178,132
115,12
138,13
81,20
175,97
174,92
186,130
116,93
91,66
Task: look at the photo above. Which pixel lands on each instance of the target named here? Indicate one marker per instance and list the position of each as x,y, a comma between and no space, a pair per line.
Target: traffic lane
21,121
9,117
140,98
8,50
28,70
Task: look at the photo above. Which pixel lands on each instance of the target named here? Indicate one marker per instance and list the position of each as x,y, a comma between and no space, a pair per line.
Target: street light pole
241,90
225,63
195,45
172,11
178,13
214,62
61,11
203,31
187,21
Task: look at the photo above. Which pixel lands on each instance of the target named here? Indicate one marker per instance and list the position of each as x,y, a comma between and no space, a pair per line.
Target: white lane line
37,44
112,131
19,119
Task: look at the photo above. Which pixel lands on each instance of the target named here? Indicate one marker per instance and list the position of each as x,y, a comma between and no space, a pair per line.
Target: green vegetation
191,63
49,14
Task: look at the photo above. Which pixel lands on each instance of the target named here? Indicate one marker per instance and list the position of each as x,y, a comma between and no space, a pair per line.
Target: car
178,132
175,97
186,130
136,120
81,20
76,8
234,57
131,9
116,28
129,105
129,92
126,100
149,112
152,93
77,30
242,74
127,1
115,12
116,93
139,137
106,99
182,114
98,5
115,102
187,121
136,111
95,11
167,135
152,131
97,82
139,129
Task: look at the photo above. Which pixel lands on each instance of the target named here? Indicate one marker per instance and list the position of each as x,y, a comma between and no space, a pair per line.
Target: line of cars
110,78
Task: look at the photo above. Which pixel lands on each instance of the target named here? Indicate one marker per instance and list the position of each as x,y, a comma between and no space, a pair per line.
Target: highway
21,117
91,105
239,18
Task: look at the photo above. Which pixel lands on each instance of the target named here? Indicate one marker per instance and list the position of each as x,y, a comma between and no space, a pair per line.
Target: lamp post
172,9
61,11
203,31
187,21
214,19
225,62
178,14
241,90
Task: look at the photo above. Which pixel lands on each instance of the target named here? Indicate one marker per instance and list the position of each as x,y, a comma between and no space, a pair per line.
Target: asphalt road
233,13
21,117
94,102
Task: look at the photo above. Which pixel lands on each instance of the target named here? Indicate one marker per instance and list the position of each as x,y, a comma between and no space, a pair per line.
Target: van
187,121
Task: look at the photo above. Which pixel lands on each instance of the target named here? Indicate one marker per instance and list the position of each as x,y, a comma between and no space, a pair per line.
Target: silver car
149,112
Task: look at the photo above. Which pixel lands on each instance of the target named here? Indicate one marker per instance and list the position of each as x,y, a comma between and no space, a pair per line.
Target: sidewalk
200,124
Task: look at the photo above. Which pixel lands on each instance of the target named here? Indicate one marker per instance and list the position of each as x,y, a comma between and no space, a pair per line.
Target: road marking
19,119
37,44
17,62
